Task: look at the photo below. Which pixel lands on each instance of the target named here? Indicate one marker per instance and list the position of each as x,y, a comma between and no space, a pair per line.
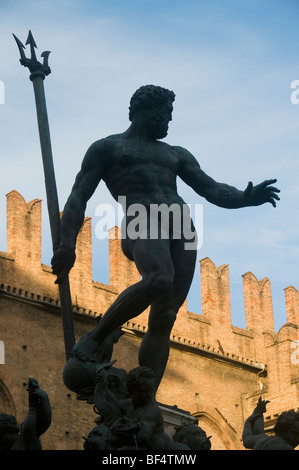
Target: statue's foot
85,349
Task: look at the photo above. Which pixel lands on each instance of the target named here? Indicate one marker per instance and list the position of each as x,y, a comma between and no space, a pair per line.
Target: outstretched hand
261,406
62,262
34,391
261,193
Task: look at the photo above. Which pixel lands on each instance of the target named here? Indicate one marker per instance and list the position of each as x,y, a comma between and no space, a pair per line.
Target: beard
158,129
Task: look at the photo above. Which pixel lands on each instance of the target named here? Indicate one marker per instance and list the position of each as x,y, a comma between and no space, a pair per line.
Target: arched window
6,402
223,437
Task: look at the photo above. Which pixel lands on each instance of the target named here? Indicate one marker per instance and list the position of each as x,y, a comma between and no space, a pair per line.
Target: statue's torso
272,443
144,172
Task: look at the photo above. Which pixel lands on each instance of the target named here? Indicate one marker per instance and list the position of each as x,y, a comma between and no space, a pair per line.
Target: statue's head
148,97
287,427
97,438
8,427
155,103
140,385
192,436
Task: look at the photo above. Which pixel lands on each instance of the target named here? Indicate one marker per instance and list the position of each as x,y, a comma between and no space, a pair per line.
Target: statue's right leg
153,261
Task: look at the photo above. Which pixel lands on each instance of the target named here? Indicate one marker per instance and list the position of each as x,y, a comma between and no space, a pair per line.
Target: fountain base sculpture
286,430
79,376
36,423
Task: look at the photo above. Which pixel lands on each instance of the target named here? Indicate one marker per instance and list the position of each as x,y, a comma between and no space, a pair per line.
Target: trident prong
33,64
21,48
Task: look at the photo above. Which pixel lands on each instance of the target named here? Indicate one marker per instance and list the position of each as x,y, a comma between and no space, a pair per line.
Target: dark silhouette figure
136,421
192,436
286,430
136,166
36,423
111,389
80,377
98,438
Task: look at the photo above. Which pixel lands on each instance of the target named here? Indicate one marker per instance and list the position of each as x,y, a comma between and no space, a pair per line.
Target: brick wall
216,371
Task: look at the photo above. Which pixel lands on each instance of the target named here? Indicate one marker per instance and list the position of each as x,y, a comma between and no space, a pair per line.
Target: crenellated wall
216,370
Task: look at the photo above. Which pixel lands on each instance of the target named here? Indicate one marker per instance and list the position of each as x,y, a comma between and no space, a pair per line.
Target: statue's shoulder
152,412
180,151
107,142
266,442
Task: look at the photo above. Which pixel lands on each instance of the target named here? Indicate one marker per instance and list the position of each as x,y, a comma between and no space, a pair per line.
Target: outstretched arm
254,425
72,219
221,194
38,418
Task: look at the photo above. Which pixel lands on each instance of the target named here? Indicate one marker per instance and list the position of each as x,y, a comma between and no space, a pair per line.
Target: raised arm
86,182
38,418
253,431
221,194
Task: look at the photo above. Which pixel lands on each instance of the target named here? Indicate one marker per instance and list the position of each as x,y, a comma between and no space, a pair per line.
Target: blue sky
230,64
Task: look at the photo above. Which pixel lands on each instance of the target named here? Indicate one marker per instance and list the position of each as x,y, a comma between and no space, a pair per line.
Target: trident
38,73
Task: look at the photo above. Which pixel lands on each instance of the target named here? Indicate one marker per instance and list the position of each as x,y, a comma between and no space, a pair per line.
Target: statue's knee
170,318
161,283
165,320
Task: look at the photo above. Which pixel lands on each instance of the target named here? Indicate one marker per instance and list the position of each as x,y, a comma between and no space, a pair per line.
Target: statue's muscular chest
131,158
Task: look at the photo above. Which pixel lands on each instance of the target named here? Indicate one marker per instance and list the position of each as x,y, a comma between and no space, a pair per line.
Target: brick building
216,371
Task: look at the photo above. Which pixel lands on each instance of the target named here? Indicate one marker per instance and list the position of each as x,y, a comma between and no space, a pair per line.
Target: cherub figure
36,423
135,422
192,436
286,430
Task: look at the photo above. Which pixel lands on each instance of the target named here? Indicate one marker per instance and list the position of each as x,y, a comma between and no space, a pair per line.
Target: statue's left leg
154,349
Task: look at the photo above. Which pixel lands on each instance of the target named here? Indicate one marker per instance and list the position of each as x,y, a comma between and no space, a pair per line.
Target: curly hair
148,96
8,424
286,420
136,374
